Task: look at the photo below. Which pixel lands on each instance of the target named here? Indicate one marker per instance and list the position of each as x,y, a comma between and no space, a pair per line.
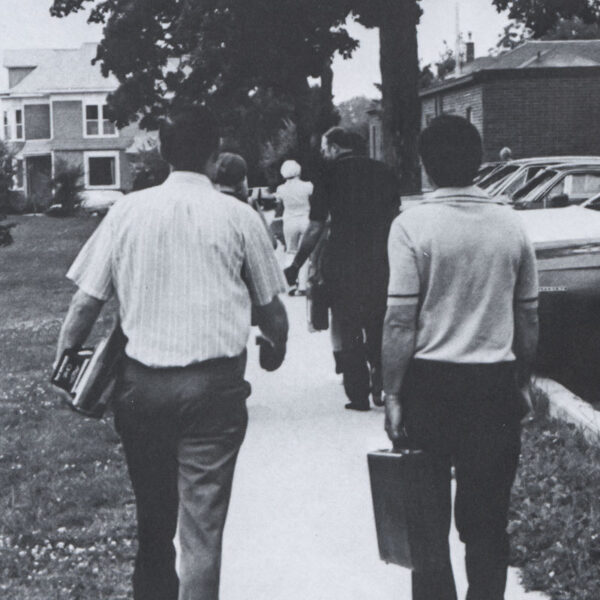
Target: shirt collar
470,193
188,177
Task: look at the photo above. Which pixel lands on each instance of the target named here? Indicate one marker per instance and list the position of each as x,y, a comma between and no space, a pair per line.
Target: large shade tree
230,54
219,52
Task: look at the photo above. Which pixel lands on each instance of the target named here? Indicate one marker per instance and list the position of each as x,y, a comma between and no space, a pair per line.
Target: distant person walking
459,341
186,264
295,195
360,198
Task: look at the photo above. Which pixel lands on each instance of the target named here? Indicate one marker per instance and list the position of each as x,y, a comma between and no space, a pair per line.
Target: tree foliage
541,16
217,52
573,29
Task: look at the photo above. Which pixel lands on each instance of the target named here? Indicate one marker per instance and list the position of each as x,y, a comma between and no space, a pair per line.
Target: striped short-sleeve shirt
465,260
186,263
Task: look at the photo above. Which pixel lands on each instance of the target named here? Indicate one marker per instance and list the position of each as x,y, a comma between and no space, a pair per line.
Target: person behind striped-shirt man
186,263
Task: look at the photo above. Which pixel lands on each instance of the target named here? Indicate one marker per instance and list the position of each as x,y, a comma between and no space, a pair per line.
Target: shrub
6,175
555,512
67,186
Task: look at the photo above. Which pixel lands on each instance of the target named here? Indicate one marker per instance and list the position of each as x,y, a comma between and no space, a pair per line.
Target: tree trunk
400,91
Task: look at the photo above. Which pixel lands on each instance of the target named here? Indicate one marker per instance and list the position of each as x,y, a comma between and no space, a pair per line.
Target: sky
27,24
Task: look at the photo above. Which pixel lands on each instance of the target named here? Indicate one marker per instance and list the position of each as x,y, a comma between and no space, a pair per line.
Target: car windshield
497,175
529,187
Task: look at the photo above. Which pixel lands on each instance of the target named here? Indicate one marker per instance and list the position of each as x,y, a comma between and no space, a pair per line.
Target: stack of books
86,377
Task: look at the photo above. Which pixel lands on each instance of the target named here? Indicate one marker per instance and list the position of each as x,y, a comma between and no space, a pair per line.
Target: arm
273,323
526,339
400,325
399,339
525,314
78,323
310,240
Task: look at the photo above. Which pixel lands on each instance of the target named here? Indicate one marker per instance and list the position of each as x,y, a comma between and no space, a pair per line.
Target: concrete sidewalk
301,522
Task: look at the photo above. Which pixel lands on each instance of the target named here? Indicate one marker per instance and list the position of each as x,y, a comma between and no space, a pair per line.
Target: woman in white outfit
295,195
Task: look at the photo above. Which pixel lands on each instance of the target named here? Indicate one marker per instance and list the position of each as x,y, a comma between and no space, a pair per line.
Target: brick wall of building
542,116
465,102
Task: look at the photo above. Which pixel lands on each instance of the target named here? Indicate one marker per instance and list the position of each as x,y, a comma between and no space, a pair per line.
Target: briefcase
86,377
409,523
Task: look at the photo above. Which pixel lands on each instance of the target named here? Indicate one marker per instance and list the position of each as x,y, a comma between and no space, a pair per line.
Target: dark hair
450,148
188,138
339,136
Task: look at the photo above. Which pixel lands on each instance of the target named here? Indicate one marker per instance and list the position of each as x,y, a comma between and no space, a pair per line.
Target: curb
565,405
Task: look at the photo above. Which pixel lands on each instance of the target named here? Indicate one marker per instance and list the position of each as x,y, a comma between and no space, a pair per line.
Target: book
86,377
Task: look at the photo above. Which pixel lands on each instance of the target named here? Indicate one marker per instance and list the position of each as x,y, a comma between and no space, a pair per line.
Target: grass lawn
66,506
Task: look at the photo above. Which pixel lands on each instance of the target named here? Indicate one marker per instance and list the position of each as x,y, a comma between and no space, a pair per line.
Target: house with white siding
55,110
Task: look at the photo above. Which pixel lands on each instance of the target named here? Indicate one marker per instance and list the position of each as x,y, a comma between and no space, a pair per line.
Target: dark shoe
377,399
359,407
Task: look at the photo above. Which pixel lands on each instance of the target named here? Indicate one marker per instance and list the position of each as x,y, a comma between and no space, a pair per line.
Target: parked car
567,246
528,168
559,186
99,201
485,169
516,173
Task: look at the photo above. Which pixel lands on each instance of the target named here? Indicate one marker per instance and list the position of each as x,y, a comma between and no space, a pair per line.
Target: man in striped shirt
186,263
459,340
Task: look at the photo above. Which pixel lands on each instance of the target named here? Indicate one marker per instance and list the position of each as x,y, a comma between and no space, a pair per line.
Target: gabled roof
59,71
533,55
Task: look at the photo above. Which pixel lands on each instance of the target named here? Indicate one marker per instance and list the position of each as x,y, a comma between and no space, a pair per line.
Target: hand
291,274
270,356
526,403
393,417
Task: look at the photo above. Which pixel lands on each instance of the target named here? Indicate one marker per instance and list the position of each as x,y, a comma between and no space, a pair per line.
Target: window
12,122
18,177
95,122
469,114
102,169
6,125
18,124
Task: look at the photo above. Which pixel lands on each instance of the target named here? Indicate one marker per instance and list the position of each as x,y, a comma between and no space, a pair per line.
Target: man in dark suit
360,198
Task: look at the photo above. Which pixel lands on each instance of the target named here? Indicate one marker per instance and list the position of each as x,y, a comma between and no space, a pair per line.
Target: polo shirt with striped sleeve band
186,263
464,259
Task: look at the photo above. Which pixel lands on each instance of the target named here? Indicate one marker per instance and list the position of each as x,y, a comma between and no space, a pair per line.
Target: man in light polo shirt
186,264
459,339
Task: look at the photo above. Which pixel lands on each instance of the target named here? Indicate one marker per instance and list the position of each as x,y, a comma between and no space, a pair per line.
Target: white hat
290,168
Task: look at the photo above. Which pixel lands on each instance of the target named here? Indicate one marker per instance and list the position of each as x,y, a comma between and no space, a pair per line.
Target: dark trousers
358,357
181,430
469,416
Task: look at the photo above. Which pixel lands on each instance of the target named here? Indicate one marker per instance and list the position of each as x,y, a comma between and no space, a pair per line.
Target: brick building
54,110
542,98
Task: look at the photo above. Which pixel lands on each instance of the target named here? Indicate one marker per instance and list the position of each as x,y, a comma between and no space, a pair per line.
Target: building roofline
43,93
485,75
